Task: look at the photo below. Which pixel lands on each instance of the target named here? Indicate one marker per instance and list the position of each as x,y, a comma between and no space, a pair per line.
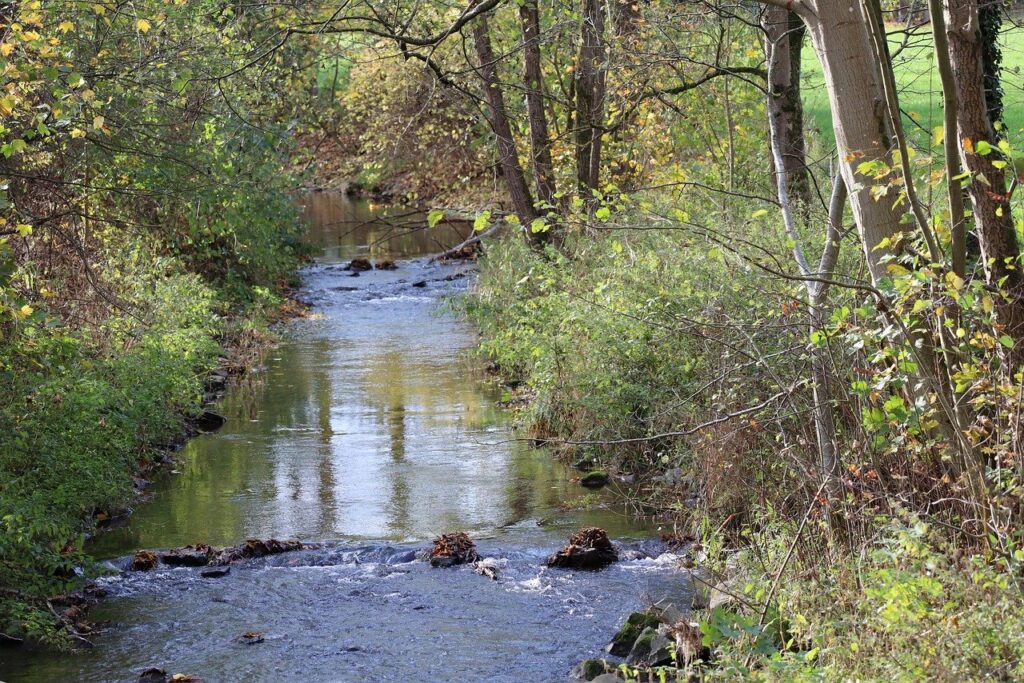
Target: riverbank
634,358
92,408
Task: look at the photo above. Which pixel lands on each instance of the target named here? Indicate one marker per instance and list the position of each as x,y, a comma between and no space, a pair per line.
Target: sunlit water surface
371,430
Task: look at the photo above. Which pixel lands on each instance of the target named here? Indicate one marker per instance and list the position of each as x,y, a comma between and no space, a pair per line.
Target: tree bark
540,140
993,217
511,170
590,95
784,38
839,33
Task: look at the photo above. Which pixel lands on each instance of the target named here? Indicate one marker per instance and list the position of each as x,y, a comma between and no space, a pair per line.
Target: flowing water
371,430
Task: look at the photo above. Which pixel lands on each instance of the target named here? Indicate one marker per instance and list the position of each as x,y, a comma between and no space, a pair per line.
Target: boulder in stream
144,560
588,548
358,265
452,549
153,675
386,264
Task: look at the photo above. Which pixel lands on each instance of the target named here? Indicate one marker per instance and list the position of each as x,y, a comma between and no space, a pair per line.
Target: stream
371,429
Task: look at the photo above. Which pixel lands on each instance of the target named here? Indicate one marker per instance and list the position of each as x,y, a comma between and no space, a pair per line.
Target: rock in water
588,548
215,572
358,264
189,556
623,641
250,638
153,675
210,421
144,560
452,549
386,265
595,479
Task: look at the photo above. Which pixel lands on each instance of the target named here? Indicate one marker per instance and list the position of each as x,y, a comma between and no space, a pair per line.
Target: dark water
371,431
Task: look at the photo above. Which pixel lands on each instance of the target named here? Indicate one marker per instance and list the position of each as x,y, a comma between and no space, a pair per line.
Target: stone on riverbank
452,549
590,669
210,421
588,548
627,635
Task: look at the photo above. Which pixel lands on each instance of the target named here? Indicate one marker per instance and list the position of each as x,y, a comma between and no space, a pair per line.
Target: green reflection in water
369,422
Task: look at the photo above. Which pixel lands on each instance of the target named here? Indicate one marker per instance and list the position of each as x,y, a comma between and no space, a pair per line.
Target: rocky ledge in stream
202,555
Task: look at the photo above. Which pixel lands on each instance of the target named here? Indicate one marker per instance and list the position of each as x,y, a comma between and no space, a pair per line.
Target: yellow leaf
25,311
97,122
77,133
938,135
66,27
143,25
6,49
968,146
954,281
24,229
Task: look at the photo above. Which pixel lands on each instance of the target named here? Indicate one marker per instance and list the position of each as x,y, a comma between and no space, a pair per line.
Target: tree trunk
590,94
511,170
839,33
540,141
987,186
784,38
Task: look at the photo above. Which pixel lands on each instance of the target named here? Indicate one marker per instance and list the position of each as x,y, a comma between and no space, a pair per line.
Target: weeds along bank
147,220
664,346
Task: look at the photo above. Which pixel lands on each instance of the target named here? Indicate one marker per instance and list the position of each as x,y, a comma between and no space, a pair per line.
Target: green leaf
603,214
983,148
434,217
481,222
1007,341
759,213
539,225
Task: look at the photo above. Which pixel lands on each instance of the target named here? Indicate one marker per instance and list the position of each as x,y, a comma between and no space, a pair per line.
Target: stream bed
371,430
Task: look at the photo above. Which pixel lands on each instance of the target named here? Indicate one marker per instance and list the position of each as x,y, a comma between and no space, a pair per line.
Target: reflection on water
345,227
371,421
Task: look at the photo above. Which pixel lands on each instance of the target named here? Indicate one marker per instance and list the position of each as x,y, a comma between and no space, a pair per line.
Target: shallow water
371,430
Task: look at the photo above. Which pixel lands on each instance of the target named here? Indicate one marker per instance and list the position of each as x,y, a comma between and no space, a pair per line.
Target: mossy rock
589,669
650,649
635,625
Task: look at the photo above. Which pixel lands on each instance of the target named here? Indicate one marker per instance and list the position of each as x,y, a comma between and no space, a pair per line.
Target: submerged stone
153,675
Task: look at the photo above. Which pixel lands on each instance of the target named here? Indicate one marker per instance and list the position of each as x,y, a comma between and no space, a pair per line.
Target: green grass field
920,89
